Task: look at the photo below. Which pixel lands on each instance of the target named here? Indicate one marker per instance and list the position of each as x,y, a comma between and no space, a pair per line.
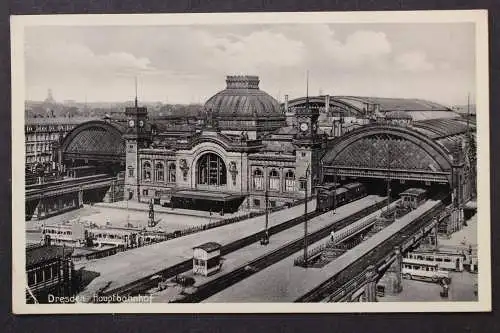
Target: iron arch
95,140
424,147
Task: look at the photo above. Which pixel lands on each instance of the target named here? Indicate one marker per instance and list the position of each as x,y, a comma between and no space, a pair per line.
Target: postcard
251,162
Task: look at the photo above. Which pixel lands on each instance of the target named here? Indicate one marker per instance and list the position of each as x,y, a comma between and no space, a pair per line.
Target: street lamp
308,171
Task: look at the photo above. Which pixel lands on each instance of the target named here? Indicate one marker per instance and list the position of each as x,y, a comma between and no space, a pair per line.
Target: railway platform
248,253
284,282
126,267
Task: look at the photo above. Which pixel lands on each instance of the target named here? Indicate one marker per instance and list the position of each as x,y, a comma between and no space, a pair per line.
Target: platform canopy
207,200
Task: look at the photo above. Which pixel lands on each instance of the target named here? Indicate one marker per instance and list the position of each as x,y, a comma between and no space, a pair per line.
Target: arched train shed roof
423,151
95,140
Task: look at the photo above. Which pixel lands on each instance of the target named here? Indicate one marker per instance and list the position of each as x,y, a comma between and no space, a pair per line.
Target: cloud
66,58
415,61
189,63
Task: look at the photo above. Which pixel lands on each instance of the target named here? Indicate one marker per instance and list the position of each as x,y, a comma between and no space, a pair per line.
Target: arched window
171,173
258,180
211,170
289,181
159,172
274,180
146,171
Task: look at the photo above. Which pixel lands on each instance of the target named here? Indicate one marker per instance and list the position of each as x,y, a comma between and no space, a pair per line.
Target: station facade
242,147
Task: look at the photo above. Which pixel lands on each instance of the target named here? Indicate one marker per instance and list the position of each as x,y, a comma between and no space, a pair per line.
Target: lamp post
305,216
265,238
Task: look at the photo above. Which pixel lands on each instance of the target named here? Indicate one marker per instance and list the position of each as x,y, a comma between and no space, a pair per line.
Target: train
331,195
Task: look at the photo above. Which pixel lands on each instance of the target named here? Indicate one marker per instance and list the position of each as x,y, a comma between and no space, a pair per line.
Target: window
289,181
211,170
171,173
39,276
48,272
130,172
144,192
302,184
274,180
256,202
31,278
146,173
258,180
159,172
272,203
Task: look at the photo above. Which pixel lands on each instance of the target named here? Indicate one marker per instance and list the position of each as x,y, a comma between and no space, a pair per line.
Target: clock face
131,123
141,123
304,127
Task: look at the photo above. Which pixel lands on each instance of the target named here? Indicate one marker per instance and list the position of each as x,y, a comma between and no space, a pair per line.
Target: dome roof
242,98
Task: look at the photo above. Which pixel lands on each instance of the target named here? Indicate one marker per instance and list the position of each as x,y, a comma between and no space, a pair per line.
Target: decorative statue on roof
234,171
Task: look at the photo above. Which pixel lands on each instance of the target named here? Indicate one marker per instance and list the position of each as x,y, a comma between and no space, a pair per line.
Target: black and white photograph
251,162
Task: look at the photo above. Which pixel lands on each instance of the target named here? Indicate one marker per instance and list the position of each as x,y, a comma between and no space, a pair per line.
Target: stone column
327,103
80,198
397,286
371,285
36,212
435,236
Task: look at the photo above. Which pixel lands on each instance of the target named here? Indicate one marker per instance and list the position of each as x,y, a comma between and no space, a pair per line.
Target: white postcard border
479,17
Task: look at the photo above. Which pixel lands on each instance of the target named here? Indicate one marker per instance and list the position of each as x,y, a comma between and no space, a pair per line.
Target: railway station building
248,143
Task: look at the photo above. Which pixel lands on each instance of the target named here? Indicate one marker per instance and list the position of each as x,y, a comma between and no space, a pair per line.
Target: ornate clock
304,127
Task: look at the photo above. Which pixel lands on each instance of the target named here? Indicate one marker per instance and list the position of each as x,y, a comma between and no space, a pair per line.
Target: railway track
224,281
143,285
377,256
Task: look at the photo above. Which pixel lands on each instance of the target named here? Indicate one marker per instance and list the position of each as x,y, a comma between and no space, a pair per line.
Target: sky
188,64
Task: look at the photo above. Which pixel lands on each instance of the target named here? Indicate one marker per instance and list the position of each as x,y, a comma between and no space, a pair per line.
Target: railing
339,283
219,223
342,235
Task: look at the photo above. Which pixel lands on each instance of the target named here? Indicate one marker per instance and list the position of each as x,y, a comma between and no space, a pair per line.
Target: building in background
49,272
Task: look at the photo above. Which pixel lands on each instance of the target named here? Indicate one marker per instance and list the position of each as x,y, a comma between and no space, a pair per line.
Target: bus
419,270
445,260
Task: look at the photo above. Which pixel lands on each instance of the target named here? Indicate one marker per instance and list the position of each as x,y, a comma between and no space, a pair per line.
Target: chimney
327,103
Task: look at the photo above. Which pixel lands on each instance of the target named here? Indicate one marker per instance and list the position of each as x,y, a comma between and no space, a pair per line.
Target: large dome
243,99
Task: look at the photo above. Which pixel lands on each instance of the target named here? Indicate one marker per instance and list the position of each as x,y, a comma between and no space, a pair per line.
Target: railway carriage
332,195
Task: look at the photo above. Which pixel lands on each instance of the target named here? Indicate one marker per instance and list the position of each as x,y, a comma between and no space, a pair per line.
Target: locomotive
331,195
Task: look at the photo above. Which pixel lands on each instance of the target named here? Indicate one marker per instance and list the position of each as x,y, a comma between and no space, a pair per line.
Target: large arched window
159,172
211,170
274,180
258,180
289,181
146,171
171,173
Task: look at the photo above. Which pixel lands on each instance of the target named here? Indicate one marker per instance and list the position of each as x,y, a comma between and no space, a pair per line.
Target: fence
215,224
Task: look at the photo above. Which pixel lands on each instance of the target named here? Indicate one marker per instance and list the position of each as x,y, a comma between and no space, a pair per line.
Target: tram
420,270
446,261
